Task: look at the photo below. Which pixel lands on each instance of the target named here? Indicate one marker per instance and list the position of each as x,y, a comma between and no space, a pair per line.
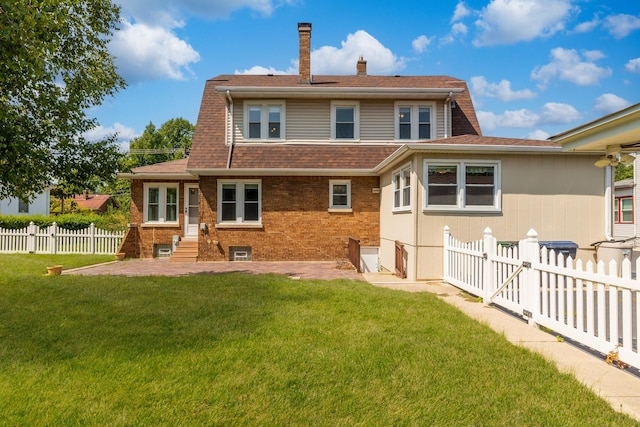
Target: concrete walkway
621,388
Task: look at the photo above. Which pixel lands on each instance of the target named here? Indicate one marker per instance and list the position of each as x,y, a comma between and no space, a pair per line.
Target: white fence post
489,247
92,238
530,255
31,238
446,242
53,238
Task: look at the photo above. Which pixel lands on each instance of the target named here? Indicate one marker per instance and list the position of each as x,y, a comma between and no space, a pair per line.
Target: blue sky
534,67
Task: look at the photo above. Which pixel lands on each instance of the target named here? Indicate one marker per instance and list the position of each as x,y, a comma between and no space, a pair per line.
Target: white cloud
585,27
502,91
566,64
123,134
609,103
551,114
144,52
257,69
460,12
538,134
333,60
633,65
421,43
459,29
620,26
511,21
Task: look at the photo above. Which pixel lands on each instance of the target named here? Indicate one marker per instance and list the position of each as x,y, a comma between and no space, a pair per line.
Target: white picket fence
595,305
57,240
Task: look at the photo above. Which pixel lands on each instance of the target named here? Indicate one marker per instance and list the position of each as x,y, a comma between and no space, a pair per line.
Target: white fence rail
57,240
596,305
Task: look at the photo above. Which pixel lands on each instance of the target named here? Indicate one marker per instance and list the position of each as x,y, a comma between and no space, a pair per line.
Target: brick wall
296,221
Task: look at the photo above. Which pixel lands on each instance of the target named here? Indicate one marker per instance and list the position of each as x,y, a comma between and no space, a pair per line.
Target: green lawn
234,349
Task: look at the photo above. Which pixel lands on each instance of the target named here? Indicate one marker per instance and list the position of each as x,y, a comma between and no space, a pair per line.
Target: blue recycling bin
565,247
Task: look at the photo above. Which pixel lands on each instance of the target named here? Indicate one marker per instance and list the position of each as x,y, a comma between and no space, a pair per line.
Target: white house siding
38,206
376,120
308,120
560,196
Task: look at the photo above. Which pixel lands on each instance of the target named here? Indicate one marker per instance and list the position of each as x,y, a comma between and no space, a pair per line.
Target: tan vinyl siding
238,121
440,120
308,120
376,121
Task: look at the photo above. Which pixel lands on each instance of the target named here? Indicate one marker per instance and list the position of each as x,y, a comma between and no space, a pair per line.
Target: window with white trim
160,203
401,180
264,120
462,185
414,121
239,201
623,210
340,194
345,120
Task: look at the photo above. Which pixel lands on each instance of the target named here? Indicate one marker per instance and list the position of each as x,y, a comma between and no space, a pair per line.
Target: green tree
623,172
171,141
54,66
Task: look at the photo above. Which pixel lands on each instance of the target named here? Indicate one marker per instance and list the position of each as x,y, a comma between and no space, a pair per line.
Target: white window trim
401,172
414,119
239,203
264,119
356,119
339,208
162,208
461,186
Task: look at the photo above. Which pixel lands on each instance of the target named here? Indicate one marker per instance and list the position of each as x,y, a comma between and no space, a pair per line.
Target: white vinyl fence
57,240
593,304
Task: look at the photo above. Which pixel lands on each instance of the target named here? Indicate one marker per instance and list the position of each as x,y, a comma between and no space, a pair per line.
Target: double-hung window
466,185
239,202
264,120
414,121
401,180
160,203
345,120
340,194
623,210
23,206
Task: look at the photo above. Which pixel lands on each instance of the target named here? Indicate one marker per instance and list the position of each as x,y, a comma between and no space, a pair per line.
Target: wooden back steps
186,251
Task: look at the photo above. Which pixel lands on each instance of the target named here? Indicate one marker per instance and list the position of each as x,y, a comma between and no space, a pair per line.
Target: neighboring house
289,167
38,206
98,203
624,212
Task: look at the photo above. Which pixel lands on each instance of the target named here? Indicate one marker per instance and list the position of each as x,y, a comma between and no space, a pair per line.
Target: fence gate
401,269
354,253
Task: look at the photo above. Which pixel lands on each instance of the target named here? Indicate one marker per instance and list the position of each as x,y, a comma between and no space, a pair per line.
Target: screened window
413,121
23,206
160,203
264,120
239,202
402,188
340,194
623,212
462,185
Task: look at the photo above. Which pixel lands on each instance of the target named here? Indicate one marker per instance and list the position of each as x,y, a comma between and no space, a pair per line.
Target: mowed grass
236,349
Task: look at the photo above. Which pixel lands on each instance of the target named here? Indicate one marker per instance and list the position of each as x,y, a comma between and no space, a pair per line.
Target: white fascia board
335,92
169,176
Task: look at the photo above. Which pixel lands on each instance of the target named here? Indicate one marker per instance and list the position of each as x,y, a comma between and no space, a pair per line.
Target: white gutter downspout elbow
447,114
230,132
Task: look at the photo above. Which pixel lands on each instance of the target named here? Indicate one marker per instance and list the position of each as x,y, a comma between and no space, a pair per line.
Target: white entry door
191,210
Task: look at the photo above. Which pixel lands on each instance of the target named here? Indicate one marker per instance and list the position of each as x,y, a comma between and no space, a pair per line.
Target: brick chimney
362,67
304,31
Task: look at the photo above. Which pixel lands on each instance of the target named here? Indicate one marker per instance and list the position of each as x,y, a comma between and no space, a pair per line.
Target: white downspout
608,206
447,114
230,131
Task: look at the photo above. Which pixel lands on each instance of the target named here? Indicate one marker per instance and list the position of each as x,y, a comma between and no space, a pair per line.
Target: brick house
289,167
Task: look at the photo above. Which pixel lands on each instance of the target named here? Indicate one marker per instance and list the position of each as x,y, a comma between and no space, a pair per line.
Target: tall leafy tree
54,66
171,141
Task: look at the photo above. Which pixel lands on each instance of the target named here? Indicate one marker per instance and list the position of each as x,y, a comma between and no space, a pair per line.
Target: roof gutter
283,172
333,92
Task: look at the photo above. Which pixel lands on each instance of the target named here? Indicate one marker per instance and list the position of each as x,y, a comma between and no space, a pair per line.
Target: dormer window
345,120
264,120
414,121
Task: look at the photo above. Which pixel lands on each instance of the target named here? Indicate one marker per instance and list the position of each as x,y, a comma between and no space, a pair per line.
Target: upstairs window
161,203
402,189
464,185
414,121
23,206
345,120
264,121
